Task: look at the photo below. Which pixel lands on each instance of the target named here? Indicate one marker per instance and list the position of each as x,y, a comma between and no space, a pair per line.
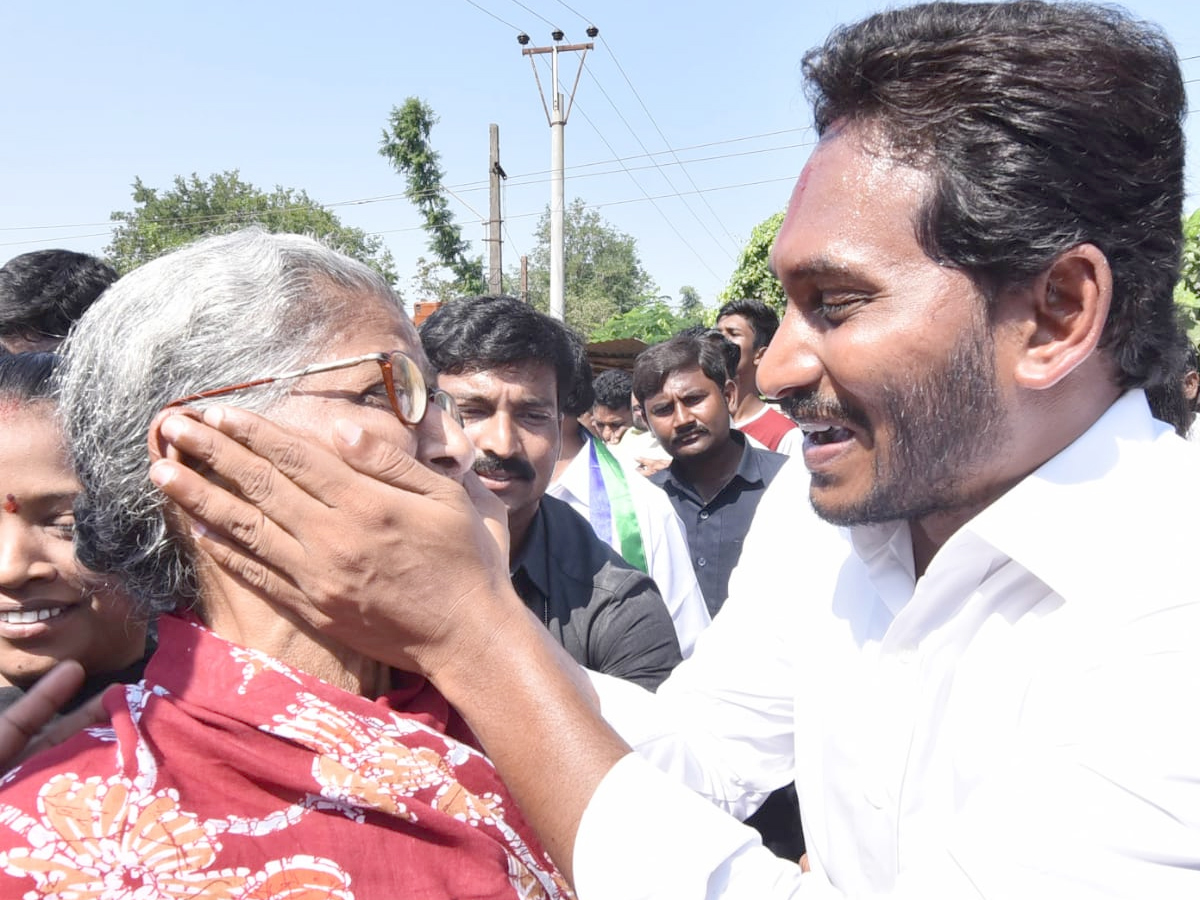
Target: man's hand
23,726
648,466
365,544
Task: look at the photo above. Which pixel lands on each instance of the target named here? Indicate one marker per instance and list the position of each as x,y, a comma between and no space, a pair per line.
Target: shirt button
705,514
702,562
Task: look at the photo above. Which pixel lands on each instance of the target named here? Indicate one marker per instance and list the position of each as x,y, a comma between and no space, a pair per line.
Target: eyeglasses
406,387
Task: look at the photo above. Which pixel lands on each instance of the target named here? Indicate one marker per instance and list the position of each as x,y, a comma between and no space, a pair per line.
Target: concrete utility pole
495,173
556,115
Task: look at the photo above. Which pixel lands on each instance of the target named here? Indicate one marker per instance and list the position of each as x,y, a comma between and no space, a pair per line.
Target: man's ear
1065,314
759,354
731,395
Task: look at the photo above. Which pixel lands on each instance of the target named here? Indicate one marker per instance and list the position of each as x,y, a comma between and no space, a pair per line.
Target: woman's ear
1065,311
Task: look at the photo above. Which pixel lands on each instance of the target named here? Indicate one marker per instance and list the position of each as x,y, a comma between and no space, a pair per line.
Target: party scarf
227,774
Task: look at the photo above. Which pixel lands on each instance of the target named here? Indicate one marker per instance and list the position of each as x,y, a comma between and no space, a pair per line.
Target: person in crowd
750,324
716,479
511,369
981,680
612,412
51,607
258,757
632,517
44,292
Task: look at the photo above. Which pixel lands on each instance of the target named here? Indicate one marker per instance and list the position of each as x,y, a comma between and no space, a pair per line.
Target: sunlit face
611,424
50,608
511,415
358,394
884,356
741,332
689,414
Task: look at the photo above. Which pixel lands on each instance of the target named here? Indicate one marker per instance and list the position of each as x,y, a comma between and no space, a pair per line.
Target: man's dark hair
580,397
43,293
763,319
480,333
1043,126
612,388
684,351
27,377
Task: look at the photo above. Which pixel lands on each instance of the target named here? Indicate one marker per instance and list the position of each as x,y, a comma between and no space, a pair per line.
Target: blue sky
697,106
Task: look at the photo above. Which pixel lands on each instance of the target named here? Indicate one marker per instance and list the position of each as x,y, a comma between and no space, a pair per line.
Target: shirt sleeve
632,636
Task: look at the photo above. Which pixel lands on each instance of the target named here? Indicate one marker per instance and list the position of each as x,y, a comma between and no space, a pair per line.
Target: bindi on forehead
11,504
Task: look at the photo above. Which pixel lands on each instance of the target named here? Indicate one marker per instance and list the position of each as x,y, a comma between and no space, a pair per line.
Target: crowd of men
900,580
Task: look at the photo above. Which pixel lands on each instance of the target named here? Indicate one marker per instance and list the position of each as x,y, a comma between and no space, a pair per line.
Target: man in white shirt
978,659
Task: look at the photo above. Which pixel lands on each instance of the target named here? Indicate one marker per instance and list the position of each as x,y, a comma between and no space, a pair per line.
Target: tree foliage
194,207
691,307
602,271
752,278
651,322
406,146
1187,291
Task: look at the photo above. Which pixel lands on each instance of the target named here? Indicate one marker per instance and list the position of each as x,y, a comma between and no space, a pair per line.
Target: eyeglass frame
448,404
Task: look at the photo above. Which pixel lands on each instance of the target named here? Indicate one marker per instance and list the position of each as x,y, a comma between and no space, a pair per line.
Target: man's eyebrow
816,267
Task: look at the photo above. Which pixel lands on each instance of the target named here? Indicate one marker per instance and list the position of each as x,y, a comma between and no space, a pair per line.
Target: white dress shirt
1020,722
668,561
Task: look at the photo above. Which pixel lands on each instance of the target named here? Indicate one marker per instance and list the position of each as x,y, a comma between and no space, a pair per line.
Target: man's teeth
29,616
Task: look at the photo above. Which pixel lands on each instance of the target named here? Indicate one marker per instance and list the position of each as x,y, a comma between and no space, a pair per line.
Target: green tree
602,271
406,146
194,207
691,307
752,277
1187,291
651,322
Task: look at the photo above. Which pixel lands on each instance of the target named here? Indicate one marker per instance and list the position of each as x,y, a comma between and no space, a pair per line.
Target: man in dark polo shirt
715,478
510,368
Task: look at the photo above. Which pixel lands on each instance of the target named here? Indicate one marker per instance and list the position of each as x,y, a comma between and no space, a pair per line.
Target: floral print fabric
226,774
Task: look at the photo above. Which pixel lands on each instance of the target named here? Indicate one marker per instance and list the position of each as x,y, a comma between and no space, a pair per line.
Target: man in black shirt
509,368
715,478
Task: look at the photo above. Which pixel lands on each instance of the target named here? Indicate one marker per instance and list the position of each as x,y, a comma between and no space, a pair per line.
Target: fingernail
213,416
199,530
172,427
348,432
162,472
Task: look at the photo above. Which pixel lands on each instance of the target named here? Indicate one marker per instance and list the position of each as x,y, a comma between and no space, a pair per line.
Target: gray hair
221,311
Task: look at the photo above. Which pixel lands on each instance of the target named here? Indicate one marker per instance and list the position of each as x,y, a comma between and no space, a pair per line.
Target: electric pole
495,173
556,115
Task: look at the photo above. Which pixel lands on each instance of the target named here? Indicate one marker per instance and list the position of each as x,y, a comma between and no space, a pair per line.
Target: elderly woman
258,758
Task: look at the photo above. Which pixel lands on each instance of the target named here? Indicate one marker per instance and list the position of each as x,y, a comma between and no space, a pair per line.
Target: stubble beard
945,430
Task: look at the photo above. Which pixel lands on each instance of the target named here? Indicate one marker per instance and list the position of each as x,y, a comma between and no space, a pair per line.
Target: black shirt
717,529
608,615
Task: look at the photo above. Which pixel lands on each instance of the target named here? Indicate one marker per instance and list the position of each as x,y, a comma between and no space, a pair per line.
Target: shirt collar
573,486
748,468
1072,519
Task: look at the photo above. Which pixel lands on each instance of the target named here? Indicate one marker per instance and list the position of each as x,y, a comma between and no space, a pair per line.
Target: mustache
808,406
688,430
512,466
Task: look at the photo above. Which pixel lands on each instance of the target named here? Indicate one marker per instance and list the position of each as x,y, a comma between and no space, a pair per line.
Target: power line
657,208
494,16
660,169
535,12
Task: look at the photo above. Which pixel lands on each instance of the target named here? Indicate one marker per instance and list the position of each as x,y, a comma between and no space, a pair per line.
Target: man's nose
792,361
495,434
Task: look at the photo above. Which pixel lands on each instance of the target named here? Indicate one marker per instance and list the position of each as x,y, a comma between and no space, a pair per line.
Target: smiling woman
51,608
